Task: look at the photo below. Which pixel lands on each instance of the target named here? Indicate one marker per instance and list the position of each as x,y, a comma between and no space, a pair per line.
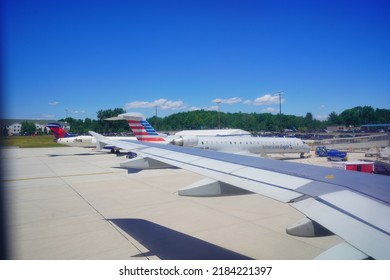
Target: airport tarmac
76,203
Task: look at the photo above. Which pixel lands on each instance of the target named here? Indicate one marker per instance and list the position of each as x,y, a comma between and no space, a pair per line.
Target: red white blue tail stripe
144,131
58,131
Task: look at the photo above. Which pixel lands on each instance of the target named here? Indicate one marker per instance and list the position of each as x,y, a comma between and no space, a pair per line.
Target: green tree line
247,121
99,125
356,117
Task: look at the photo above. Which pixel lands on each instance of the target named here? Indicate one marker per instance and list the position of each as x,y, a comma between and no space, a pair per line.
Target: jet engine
185,141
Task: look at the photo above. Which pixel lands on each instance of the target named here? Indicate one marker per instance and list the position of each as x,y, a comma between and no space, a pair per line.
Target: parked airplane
353,205
245,145
86,141
63,137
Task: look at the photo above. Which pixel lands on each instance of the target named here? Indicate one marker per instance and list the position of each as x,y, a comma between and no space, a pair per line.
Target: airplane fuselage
86,141
256,145
249,145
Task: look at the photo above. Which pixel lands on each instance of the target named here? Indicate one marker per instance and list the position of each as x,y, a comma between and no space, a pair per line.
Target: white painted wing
353,205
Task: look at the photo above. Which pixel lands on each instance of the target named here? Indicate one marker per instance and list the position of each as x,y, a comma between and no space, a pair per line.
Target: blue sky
77,57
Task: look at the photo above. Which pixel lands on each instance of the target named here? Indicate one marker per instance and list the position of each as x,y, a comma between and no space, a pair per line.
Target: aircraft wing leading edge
352,205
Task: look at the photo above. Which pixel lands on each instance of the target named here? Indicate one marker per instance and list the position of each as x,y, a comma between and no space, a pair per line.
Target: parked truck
331,154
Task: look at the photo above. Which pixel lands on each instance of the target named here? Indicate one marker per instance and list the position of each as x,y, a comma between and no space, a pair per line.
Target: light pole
280,103
219,114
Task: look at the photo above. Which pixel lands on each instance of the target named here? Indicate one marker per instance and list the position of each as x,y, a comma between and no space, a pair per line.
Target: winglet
96,135
100,143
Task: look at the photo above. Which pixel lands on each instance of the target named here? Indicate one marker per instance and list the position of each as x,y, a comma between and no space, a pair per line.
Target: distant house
14,126
337,128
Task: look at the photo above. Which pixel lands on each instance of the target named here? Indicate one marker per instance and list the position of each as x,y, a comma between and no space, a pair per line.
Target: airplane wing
352,205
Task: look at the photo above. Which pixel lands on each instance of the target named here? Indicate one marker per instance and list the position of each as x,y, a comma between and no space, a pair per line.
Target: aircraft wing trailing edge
353,205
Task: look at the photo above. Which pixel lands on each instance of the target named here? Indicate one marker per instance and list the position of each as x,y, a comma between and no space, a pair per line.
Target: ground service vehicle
332,154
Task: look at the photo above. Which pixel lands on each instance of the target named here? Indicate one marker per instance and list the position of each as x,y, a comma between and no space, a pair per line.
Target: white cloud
194,108
212,108
321,118
140,104
162,103
267,100
78,112
233,100
209,108
173,105
269,110
54,103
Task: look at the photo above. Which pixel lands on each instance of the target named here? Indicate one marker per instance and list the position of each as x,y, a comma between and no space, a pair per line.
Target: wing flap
367,236
221,166
342,251
272,178
360,207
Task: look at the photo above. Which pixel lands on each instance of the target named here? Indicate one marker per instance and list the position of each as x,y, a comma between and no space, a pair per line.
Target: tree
309,117
352,117
4,130
104,114
367,115
111,126
333,119
382,116
28,128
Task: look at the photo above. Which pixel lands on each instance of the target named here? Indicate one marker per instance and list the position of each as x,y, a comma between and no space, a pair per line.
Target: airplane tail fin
58,130
142,128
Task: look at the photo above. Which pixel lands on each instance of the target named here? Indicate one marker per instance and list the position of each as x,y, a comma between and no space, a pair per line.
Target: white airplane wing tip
96,135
